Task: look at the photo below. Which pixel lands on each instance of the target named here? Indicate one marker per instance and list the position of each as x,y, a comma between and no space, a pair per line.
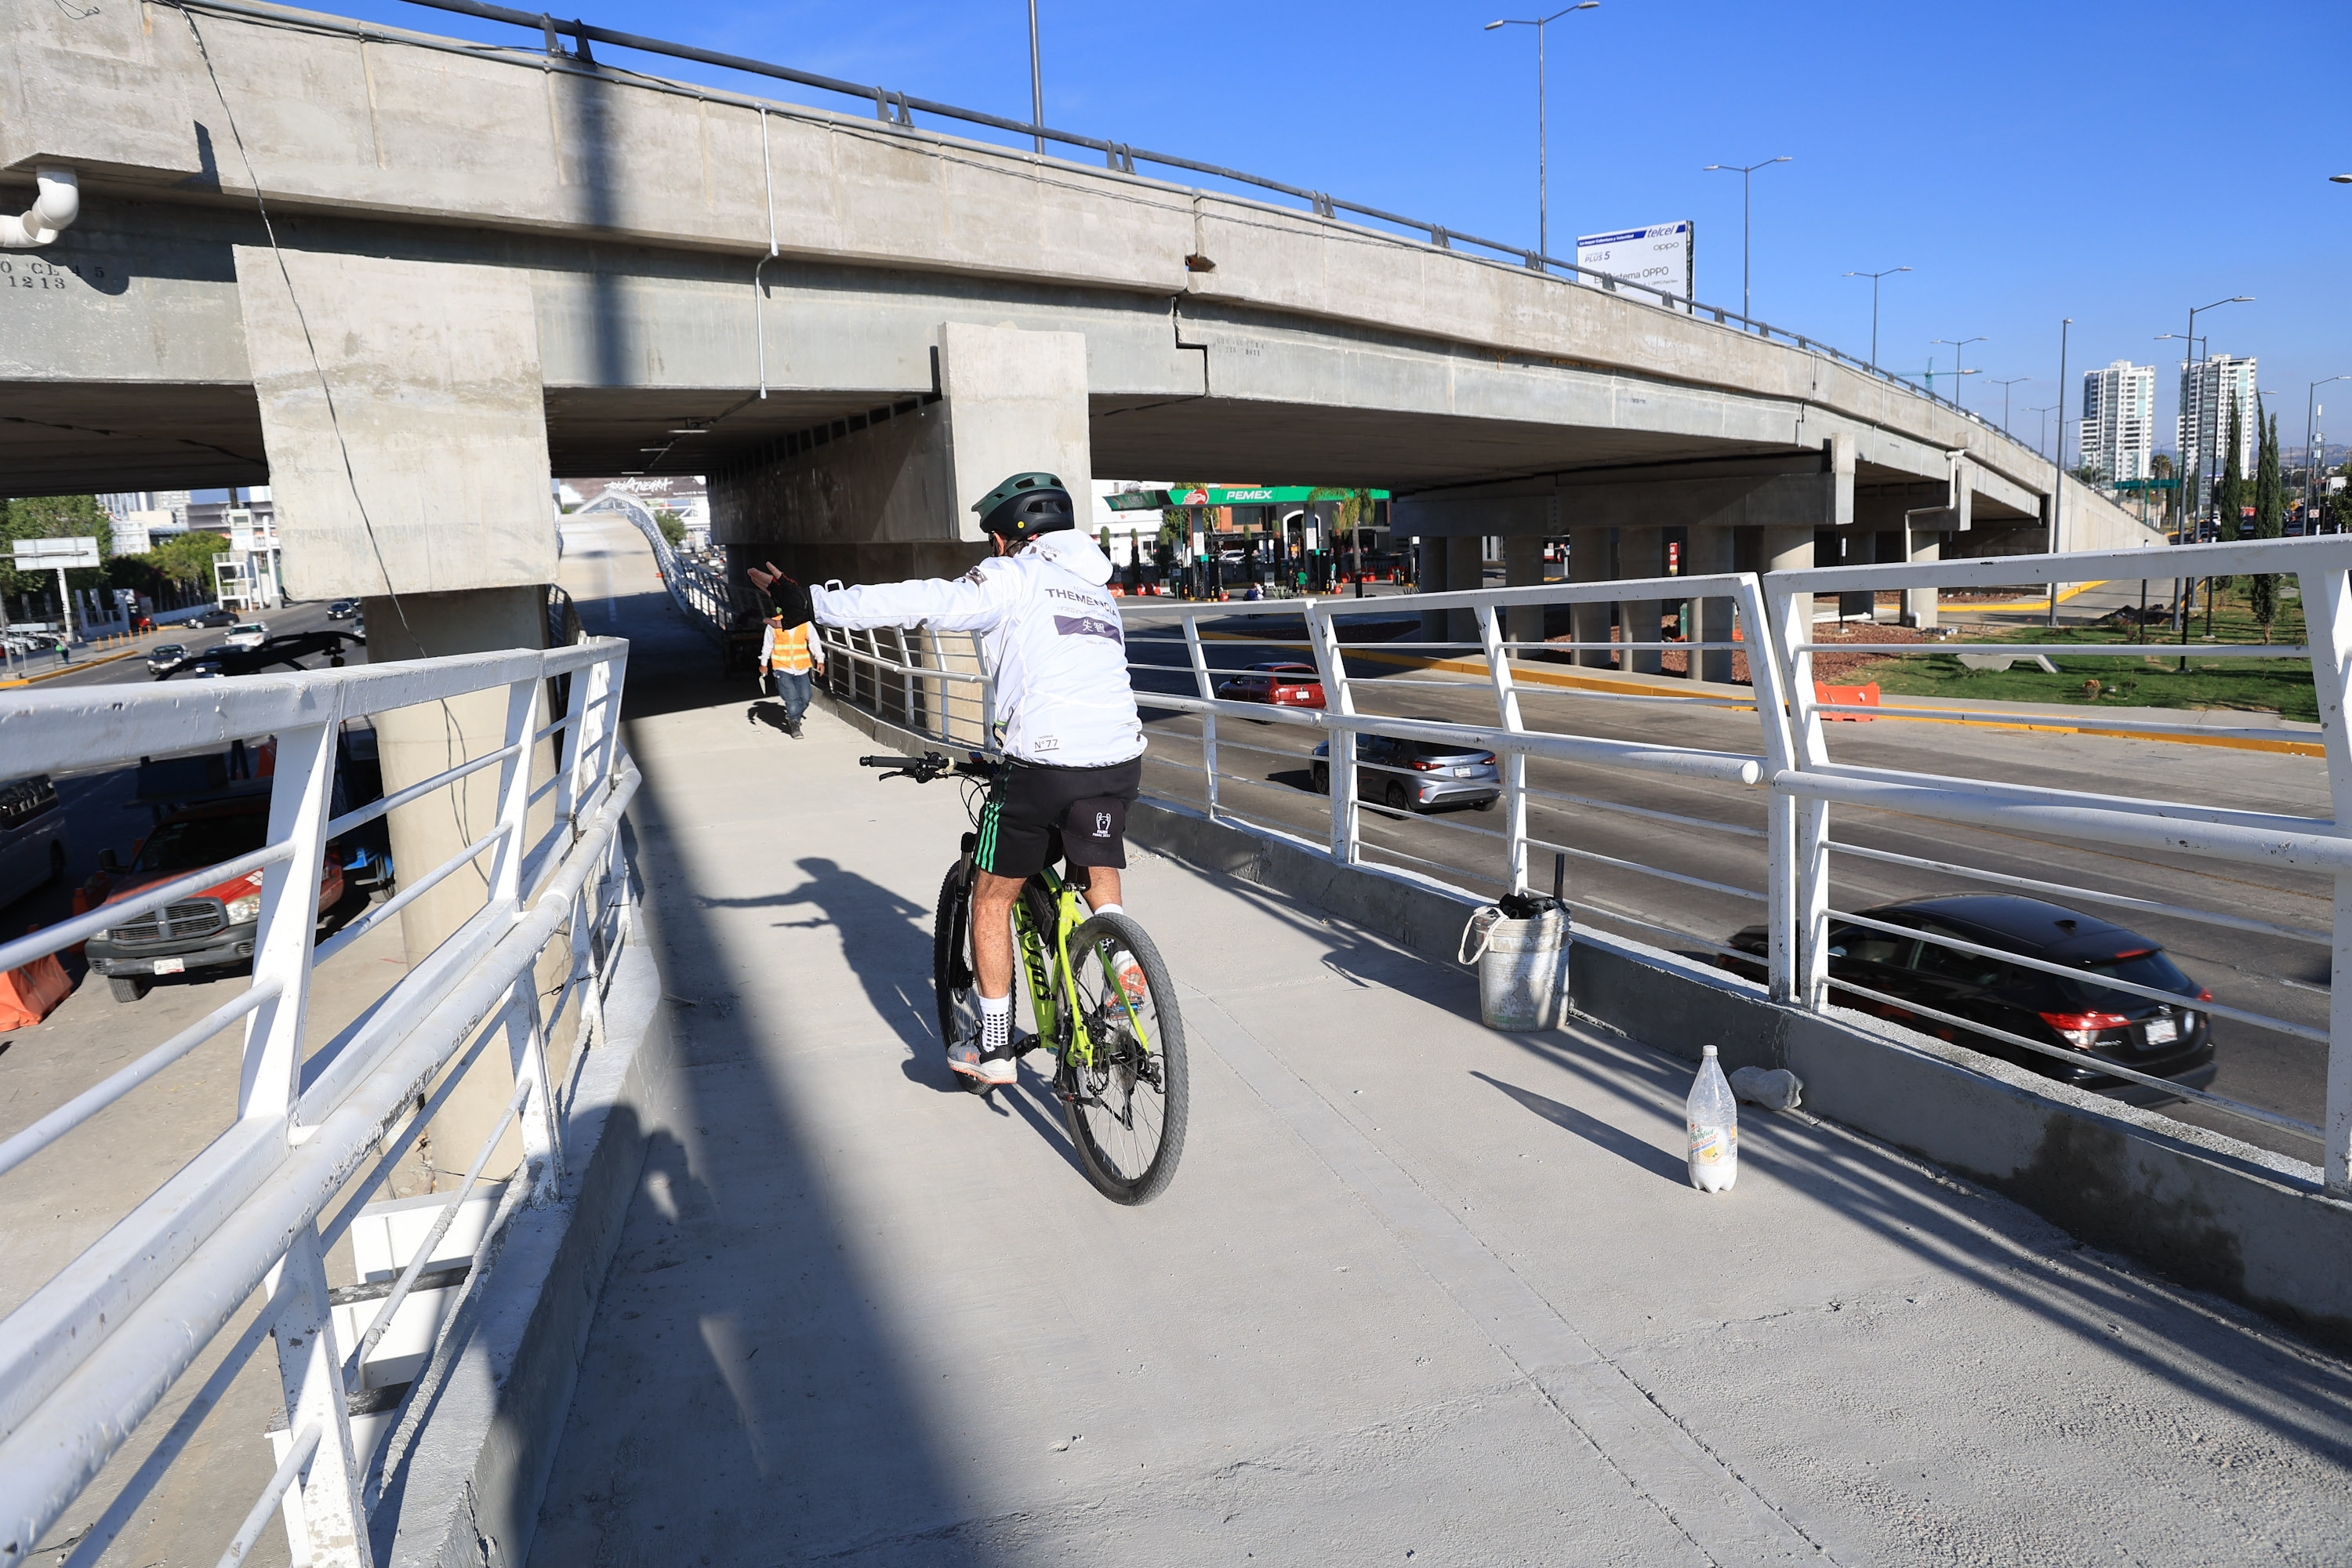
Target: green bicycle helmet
1025,506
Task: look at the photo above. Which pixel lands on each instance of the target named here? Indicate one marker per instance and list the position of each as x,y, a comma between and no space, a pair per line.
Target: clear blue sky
2022,158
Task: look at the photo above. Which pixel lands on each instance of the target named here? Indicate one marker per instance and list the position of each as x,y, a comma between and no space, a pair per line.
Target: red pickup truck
209,928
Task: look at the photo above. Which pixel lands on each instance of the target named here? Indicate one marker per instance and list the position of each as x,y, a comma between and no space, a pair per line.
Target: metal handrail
93,1349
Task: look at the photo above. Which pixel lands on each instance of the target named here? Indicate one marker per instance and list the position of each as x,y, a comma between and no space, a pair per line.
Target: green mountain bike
1119,1052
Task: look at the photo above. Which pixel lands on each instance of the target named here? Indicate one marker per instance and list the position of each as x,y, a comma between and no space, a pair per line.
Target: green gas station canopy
1219,495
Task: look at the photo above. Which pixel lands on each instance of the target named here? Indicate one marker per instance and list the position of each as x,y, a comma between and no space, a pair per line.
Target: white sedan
247,635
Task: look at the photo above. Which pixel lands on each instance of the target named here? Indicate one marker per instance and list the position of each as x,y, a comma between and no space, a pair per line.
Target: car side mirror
106,861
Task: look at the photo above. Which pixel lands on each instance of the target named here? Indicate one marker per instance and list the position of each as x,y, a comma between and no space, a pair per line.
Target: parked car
164,655
247,635
343,609
1414,775
33,843
1276,685
212,927
2165,1039
214,618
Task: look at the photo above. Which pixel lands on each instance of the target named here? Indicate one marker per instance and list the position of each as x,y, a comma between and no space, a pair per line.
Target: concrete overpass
402,278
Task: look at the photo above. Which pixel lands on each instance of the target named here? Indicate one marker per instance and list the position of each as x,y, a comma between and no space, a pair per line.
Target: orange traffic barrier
30,994
1849,697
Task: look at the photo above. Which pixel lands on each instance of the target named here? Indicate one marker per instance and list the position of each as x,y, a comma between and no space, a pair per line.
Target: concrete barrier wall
2204,1209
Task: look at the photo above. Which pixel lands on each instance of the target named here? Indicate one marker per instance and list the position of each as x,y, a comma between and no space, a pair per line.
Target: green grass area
2282,685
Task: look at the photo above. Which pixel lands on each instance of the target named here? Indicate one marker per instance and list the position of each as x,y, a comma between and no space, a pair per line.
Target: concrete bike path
1420,1292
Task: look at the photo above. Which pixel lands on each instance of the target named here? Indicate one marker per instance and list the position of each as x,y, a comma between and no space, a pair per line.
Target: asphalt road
2260,974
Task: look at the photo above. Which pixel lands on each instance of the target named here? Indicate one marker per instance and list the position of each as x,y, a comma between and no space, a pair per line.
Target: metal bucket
1521,966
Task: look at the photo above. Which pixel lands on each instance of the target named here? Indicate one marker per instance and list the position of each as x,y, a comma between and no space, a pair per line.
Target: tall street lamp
2004,386
1957,345
1746,172
1036,83
2310,456
2042,436
1543,140
2187,460
2058,484
1873,278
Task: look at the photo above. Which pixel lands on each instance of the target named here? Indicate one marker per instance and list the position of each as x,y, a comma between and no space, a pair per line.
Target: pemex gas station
1277,540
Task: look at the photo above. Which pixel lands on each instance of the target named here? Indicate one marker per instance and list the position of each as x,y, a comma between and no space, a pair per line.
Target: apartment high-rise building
2119,429
2209,391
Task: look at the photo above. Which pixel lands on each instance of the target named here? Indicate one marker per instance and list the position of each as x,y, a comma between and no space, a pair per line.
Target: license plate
170,965
1466,773
2162,1031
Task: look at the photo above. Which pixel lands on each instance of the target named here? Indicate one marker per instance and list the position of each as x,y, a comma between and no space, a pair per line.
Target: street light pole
2191,337
1036,83
1746,172
2058,485
2310,456
2042,436
1956,348
1873,278
2004,386
1543,117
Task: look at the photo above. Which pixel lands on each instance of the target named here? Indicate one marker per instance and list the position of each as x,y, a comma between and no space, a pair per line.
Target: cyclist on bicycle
1072,739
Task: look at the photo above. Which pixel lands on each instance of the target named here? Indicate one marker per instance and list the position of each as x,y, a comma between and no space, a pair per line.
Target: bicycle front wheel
1127,1106
951,965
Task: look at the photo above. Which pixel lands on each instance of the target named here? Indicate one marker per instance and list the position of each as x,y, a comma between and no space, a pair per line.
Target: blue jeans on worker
795,690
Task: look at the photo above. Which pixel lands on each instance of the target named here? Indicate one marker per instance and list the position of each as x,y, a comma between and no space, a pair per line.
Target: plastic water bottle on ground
1714,1118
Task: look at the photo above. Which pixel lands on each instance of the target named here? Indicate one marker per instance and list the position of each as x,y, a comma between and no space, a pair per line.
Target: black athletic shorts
1038,814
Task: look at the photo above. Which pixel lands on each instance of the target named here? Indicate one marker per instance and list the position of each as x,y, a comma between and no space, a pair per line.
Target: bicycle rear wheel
1128,1107
952,966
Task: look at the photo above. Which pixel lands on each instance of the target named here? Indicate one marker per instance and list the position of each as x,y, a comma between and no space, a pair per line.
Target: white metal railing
700,592
1779,797
320,1122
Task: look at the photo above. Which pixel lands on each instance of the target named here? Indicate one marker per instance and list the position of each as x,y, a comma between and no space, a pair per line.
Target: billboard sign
53,555
1661,254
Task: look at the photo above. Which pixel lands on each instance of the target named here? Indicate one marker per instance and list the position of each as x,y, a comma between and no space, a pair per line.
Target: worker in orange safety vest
790,654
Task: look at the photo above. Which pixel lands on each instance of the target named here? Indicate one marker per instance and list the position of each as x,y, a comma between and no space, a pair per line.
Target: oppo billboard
1660,255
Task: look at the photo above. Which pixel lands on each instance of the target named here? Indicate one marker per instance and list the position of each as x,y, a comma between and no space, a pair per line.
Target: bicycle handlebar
922,770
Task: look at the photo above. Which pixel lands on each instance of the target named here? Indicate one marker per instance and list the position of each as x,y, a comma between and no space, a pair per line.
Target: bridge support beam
1465,570
1641,552
1591,559
887,494
1523,567
1433,579
422,488
1708,551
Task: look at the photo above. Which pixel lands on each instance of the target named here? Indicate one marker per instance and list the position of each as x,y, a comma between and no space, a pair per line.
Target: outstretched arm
974,602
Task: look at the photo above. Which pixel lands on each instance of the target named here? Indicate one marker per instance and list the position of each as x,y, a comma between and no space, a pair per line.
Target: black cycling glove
791,601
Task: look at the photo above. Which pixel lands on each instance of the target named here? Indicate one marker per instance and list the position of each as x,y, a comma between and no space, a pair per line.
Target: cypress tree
2269,514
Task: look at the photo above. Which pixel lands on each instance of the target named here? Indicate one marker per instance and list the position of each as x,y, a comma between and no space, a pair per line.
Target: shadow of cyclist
886,942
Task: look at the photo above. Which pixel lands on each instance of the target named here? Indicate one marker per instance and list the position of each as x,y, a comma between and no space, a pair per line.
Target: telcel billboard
1663,256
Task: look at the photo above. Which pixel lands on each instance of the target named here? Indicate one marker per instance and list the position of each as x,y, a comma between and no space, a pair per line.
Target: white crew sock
995,1022
1108,909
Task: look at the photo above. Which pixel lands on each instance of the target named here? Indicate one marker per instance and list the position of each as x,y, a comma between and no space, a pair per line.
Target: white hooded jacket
1053,640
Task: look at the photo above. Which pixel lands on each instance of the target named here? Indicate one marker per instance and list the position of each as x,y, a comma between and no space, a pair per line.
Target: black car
2165,1039
343,609
216,618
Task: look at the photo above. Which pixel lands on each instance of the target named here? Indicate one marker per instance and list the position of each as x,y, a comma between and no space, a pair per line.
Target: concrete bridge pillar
1920,605
1641,553
441,428
1707,551
887,494
1465,570
1434,580
1523,567
1789,549
1590,558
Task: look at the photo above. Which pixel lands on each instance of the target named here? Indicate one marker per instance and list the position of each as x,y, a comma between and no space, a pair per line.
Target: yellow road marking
1521,673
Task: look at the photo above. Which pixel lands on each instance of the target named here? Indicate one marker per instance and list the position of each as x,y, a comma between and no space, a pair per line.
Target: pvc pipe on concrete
55,208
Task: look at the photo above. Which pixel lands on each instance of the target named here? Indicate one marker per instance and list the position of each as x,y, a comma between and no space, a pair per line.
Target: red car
212,927
1279,685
